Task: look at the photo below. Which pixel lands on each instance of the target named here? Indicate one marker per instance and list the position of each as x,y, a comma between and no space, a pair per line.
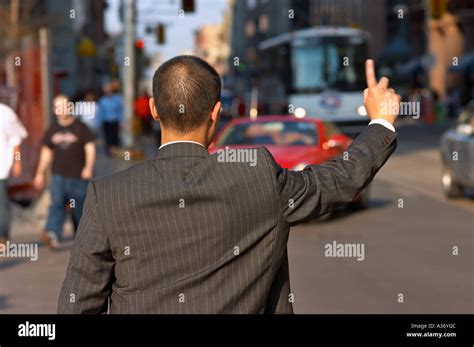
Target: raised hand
380,101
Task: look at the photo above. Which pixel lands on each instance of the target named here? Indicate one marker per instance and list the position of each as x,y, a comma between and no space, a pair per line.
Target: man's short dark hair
185,89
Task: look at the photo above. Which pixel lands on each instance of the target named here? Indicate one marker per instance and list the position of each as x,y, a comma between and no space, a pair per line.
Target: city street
408,250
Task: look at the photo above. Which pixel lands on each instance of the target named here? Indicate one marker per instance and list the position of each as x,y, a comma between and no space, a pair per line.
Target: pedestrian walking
12,133
143,113
110,116
68,146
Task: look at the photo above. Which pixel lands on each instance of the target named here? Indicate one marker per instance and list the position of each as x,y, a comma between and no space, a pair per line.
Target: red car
293,142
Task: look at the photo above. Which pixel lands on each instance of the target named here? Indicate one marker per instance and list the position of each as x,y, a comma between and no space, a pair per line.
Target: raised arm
318,189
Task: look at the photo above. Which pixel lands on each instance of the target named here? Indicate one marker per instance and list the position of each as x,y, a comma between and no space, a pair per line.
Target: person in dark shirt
69,145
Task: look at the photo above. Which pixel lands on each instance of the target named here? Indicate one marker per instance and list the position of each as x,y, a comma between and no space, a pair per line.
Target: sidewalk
33,286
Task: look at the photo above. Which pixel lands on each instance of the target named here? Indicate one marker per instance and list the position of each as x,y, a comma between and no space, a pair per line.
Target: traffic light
160,34
187,5
140,44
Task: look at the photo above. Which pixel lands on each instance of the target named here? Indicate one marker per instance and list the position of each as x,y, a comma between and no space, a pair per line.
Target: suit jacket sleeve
89,276
318,189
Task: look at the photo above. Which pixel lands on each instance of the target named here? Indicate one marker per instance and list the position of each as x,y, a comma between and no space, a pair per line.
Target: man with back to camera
186,233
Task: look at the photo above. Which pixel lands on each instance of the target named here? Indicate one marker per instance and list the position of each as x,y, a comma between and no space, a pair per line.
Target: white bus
316,72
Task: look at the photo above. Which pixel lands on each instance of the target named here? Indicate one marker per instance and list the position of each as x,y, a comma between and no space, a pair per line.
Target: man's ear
153,110
216,112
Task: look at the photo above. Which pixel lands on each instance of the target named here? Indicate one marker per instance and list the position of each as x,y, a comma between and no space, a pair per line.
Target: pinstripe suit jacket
185,233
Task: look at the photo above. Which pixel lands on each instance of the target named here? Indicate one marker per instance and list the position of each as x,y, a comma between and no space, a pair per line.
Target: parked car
457,152
293,142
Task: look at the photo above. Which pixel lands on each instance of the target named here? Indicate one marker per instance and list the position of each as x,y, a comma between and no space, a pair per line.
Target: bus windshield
320,66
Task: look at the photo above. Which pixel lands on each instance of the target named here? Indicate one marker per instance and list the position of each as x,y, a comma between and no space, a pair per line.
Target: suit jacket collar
182,149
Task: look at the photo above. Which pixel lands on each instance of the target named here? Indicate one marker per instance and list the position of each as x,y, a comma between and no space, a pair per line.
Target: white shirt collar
181,141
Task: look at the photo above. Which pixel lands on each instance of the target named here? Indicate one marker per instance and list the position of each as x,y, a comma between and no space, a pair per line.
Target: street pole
45,51
12,81
14,16
129,72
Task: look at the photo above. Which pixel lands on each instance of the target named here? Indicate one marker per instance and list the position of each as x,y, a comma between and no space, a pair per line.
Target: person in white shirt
12,133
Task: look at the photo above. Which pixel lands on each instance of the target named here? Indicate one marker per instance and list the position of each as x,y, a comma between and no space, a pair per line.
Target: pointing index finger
370,73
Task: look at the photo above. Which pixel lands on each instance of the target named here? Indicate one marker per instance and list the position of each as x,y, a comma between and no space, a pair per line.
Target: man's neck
192,137
182,141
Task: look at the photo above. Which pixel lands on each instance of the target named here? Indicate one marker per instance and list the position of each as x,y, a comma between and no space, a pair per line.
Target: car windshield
278,133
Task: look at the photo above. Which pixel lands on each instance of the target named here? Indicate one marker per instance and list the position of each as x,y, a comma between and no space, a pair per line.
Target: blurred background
299,59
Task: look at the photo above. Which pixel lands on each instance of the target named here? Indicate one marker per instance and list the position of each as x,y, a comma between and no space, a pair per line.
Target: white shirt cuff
383,122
